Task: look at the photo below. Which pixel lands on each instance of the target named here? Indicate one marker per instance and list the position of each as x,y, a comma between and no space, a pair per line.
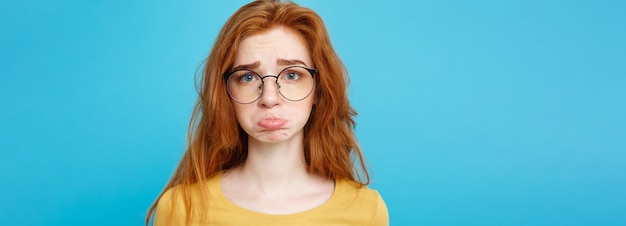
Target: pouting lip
272,123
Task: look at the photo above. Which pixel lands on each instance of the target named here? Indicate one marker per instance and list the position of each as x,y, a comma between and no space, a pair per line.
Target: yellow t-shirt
348,205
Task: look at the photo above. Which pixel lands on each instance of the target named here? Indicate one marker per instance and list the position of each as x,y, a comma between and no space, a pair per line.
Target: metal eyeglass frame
311,71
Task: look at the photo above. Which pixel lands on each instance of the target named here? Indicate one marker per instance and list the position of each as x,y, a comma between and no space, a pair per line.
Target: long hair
215,140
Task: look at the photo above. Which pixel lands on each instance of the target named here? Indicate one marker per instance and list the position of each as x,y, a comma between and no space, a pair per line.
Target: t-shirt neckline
215,185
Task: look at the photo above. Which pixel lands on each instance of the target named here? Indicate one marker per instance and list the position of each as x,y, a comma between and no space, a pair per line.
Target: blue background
470,112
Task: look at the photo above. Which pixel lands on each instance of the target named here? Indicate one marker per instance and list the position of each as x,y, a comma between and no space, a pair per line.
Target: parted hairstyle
216,142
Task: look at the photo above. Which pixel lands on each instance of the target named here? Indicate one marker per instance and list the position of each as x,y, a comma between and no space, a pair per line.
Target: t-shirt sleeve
381,215
170,209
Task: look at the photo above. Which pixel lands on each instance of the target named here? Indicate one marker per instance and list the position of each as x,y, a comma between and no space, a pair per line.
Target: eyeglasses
294,83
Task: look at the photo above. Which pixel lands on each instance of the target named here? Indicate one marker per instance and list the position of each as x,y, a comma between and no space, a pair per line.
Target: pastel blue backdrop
470,112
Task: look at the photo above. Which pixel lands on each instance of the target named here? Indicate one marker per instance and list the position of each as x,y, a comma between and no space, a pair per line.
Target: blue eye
248,77
292,76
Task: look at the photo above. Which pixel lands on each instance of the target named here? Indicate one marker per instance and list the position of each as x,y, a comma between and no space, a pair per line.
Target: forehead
268,47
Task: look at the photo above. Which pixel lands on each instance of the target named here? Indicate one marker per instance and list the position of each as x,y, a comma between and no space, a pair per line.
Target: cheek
240,113
307,108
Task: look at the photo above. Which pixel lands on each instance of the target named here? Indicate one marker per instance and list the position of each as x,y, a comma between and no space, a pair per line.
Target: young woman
271,140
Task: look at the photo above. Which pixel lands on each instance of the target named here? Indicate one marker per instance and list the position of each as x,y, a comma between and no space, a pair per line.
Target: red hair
217,142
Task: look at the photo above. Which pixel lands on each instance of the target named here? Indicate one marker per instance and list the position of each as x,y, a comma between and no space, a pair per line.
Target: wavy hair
215,140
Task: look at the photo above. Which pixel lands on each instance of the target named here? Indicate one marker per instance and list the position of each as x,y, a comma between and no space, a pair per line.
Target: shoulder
177,203
363,200
171,208
351,190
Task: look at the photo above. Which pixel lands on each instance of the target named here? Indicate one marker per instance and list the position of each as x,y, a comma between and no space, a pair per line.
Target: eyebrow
286,62
251,66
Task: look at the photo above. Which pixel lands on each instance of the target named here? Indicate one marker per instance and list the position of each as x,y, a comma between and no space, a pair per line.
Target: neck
275,163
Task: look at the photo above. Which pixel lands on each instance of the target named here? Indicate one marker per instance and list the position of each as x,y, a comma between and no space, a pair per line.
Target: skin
274,179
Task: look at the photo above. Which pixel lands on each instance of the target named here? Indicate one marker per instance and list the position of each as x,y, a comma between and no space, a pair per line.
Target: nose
270,96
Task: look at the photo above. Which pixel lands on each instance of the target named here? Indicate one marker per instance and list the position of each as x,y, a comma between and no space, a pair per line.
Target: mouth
272,123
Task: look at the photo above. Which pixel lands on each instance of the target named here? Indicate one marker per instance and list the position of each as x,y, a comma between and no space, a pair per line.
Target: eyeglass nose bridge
263,82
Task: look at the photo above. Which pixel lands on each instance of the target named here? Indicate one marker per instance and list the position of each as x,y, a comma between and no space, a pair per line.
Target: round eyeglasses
294,83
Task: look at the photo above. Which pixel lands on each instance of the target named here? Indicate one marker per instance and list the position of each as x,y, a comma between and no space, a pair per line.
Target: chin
275,136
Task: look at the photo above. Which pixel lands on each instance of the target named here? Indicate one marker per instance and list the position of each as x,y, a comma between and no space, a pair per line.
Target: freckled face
272,118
